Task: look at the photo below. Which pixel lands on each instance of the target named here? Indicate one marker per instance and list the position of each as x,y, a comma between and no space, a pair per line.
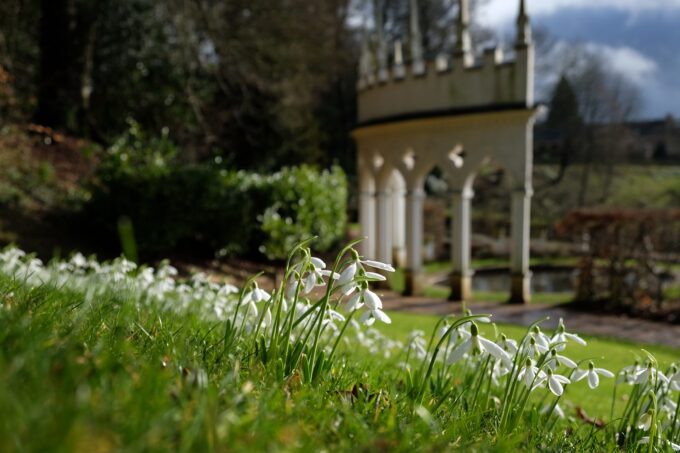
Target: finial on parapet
398,70
417,63
366,69
523,26
463,47
381,43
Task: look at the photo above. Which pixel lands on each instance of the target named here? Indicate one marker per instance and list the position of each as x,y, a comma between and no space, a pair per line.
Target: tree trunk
55,82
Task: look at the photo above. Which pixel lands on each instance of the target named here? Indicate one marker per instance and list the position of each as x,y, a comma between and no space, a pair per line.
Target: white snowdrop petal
331,274
318,263
382,316
353,302
379,265
555,386
495,350
375,276
459,352
605,373
349,289
576,339
593,379
566,361
562,379
347,275
372,300
578,375
310,283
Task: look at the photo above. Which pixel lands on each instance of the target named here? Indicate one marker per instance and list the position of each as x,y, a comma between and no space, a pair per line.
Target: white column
384,227
461,276
414,239
398,216
519,256
367,223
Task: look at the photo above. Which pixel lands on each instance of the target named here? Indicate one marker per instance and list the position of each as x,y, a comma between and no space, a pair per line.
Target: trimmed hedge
178,207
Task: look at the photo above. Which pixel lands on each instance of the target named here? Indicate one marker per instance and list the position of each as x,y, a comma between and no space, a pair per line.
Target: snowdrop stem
653,428
299,247
483,374
552,410
435,353
290,316
327,296
674,425
512,381
629,412
342,332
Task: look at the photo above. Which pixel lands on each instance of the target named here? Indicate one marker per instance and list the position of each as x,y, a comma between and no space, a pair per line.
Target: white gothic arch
454,115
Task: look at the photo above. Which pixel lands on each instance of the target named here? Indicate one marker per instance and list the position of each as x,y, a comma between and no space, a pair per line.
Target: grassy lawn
612,354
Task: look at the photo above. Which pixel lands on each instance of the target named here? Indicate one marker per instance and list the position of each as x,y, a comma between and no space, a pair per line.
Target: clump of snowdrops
505,380
296,328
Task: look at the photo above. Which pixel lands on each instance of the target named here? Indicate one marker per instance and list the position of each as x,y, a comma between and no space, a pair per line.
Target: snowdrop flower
373,304
292,287
535,348
479,345
541,339
561,336
257,295
673,446
557,410
508,344
267,318
531,375
650,373
645,420
556,360
674,378
316,274
334,315
347,275
592,374
374,311
227,289
555,382
629,373
416,343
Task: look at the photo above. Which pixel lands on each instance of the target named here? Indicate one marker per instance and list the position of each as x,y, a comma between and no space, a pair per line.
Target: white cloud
498,12
626,61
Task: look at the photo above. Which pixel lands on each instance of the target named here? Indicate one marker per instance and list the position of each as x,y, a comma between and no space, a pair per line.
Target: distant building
657,140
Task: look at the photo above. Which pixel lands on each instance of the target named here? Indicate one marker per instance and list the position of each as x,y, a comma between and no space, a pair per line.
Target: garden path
620,327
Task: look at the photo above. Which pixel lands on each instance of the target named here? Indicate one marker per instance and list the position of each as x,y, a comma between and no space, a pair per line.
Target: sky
638,38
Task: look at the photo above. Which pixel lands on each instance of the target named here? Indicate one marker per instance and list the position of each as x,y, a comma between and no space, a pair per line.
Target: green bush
202,208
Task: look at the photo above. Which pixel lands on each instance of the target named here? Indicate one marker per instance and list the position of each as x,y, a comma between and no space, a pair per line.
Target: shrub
200,207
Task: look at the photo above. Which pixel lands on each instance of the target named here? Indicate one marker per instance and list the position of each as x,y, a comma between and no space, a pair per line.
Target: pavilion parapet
449,83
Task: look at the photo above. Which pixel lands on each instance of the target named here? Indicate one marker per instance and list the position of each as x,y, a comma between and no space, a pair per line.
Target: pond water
549,280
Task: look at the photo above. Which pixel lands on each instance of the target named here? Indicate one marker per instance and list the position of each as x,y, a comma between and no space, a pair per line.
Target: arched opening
491,233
